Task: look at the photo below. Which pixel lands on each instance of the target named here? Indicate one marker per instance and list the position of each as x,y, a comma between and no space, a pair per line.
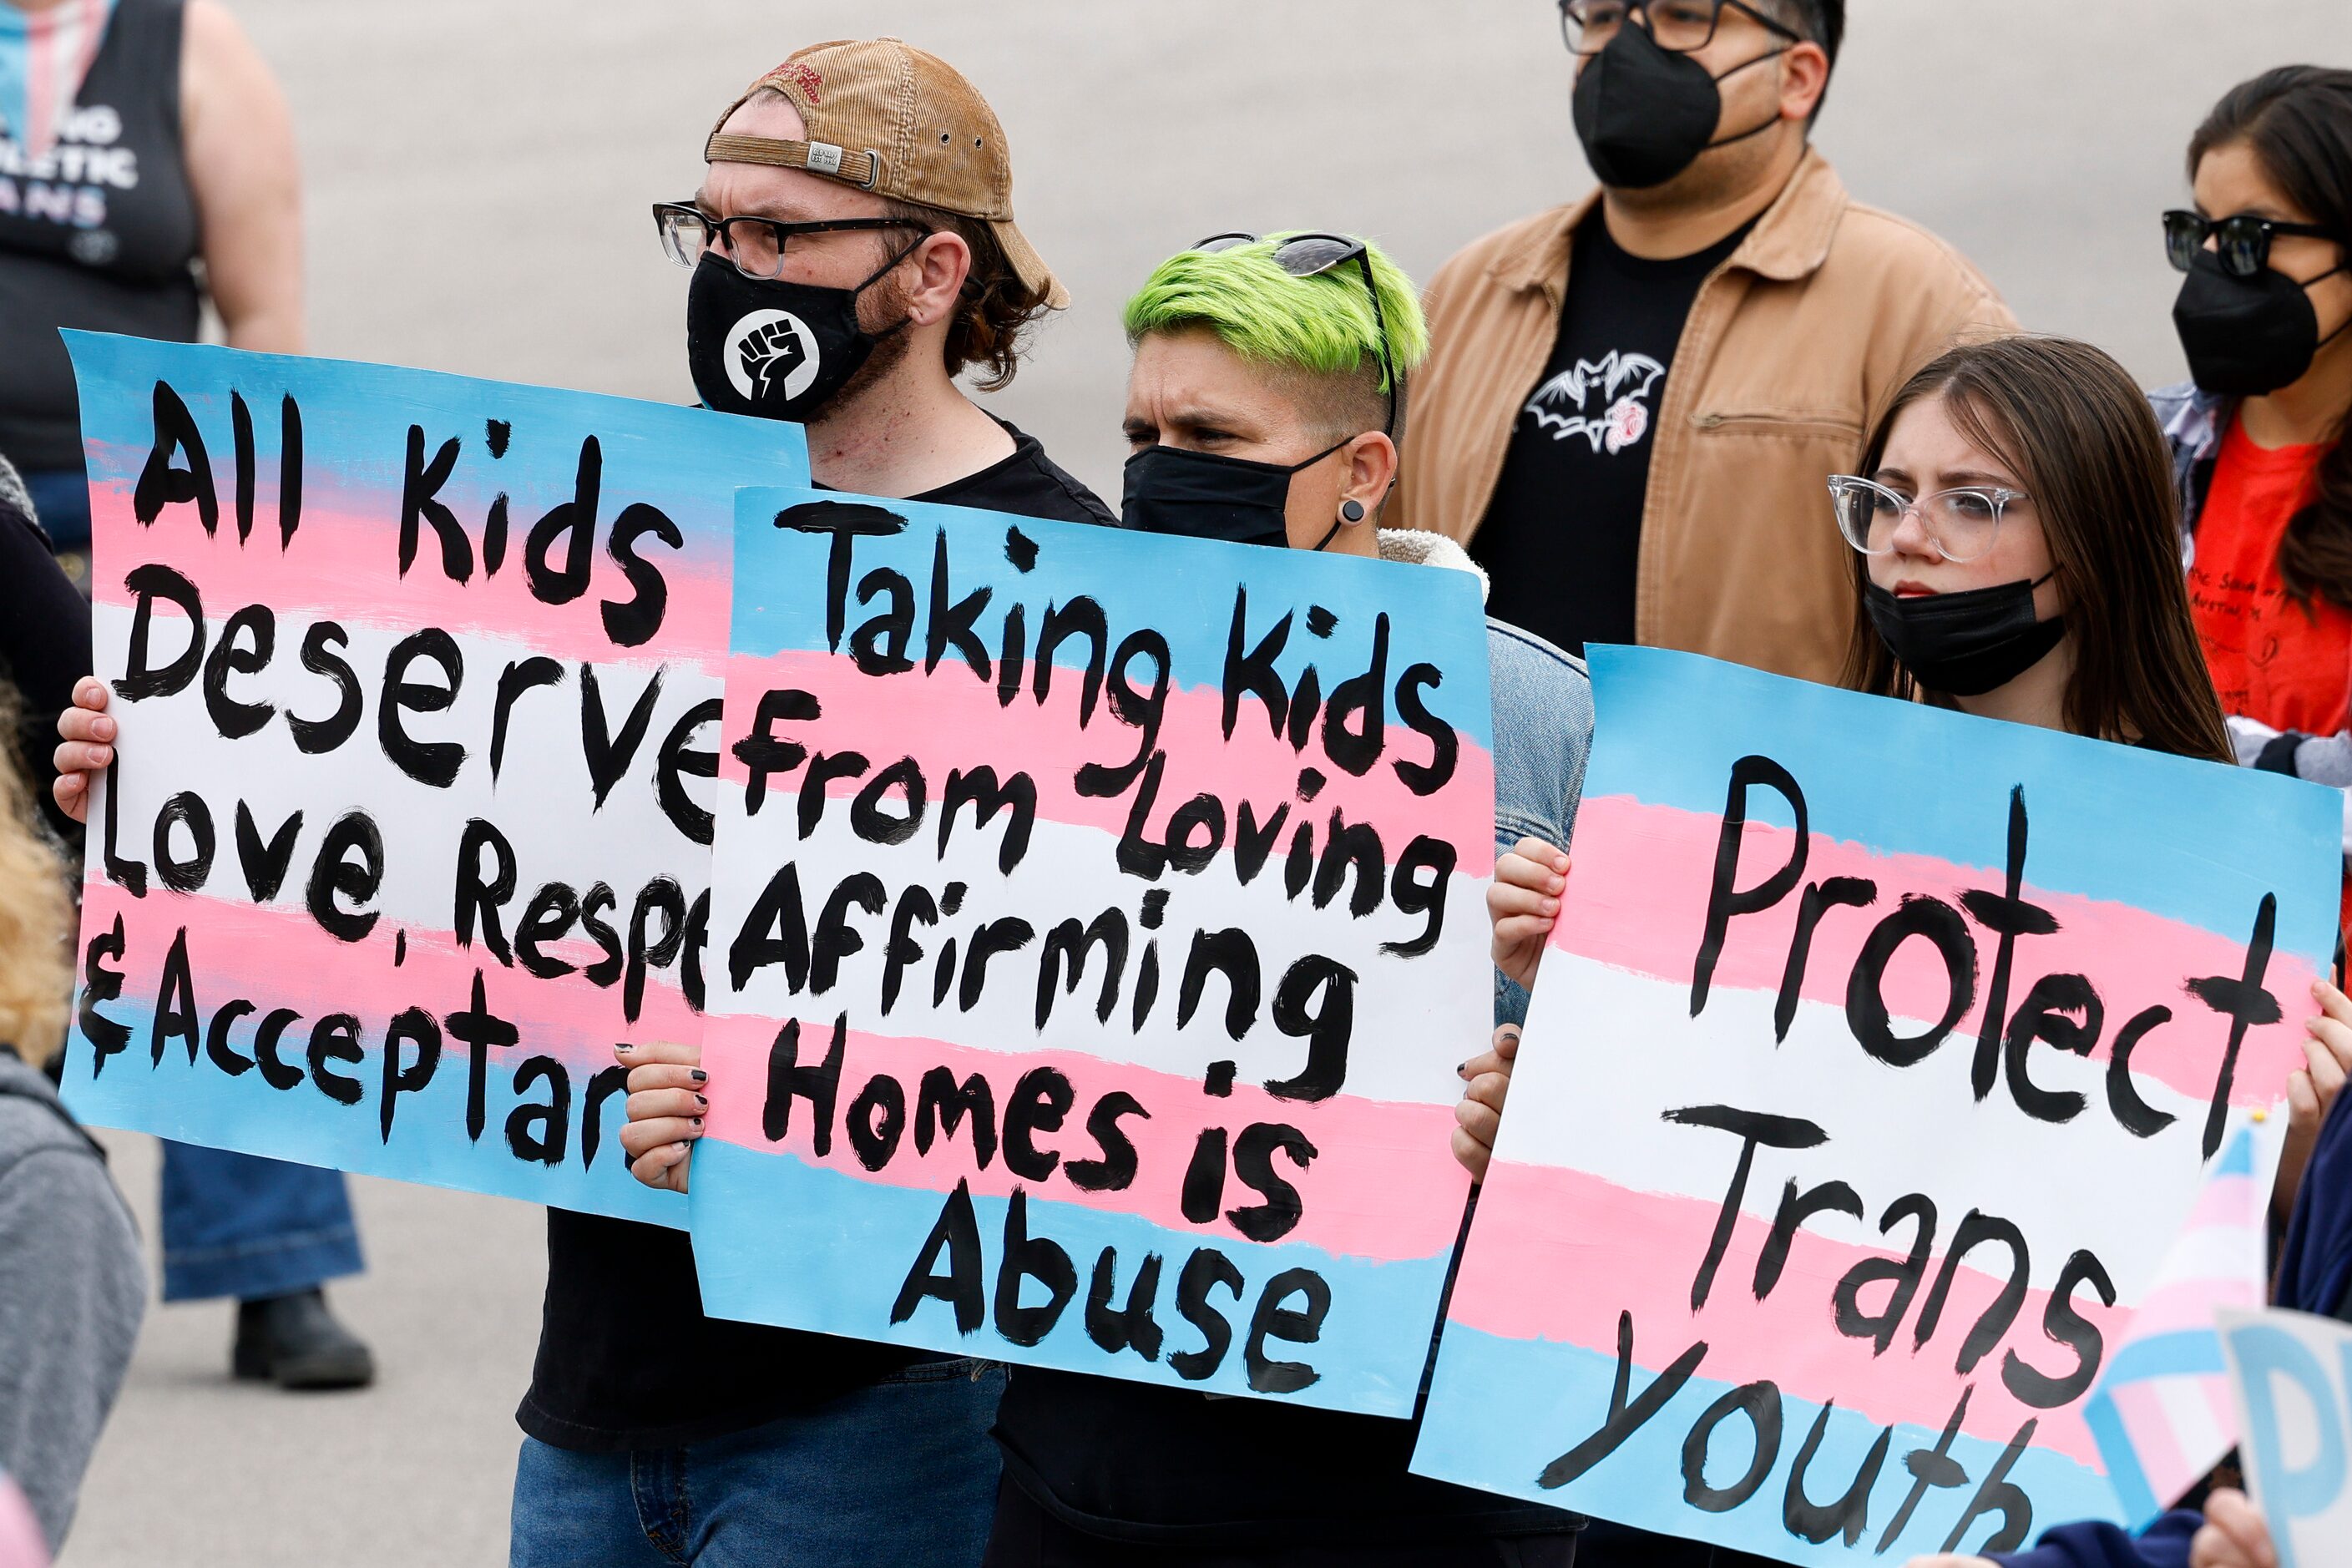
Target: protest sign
2161,1411
418,685
1878,1055
1096,924
2292,1375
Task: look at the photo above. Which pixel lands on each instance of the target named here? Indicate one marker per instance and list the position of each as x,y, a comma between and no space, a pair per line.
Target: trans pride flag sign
419,686
2161,1410
1096,922
1878,1057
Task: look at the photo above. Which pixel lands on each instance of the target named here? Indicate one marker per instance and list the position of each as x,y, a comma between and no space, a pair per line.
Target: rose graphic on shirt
1629,421
1604,401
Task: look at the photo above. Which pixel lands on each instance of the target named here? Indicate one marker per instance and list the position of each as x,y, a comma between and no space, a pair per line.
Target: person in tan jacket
1634,402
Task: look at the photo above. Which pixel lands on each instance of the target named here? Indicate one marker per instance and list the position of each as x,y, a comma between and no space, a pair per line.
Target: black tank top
99,232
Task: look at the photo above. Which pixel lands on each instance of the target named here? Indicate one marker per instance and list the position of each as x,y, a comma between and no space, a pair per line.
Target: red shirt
2280,663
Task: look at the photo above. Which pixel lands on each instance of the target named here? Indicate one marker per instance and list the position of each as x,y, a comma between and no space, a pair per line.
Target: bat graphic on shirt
1567,404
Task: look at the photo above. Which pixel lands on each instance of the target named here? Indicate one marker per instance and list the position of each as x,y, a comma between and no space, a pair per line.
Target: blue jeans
902,1471
237,1225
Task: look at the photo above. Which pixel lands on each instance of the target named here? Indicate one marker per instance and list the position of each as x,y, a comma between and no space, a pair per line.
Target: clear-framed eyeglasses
1961,523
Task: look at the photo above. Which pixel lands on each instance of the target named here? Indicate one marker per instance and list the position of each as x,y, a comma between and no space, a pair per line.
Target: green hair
1321,325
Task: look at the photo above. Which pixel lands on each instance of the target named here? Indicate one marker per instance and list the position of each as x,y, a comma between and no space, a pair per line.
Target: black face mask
772,349
1202,495
2246,337
1965,644
1644,114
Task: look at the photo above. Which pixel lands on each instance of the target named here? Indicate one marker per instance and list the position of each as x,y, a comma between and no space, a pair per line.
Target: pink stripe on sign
345,566
2141,1406
1381,1184
278,957
950,720
1529,1273
2135,960
2188,1305
2228,1203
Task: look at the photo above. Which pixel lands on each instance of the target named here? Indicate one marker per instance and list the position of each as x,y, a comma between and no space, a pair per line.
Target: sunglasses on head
1309,255
2242,243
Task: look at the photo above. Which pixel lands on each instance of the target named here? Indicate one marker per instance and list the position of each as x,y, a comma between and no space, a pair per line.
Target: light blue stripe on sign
827,1252
1181,588
2193,841
1560,1392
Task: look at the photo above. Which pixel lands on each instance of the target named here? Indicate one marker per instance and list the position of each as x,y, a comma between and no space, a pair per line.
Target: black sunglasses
755,245
1309,255
2244,242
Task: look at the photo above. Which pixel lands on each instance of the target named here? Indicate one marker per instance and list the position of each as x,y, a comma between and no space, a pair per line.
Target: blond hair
35,917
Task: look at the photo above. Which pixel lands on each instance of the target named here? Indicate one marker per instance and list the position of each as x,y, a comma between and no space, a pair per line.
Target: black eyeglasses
1677,26
2244,242
1308,254
755,245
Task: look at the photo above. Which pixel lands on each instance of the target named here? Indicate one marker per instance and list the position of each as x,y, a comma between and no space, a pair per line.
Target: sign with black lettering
419,686
1878,1055
2290,1374
1098,920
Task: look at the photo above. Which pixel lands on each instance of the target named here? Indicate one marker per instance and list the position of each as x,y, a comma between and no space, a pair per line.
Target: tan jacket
1791,346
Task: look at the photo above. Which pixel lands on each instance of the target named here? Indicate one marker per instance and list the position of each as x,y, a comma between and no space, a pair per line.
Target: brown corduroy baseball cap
899,122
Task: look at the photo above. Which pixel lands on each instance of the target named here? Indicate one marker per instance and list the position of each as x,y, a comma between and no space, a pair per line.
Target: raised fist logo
771,355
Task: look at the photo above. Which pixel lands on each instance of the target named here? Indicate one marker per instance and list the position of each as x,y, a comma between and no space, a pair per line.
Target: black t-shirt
1151,1464
1562,536
627,1360
45,649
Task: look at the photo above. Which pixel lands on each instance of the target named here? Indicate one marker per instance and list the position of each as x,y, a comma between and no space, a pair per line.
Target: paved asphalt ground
478,177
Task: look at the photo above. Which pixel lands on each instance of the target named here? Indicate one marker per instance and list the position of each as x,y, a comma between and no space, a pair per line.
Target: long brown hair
2073,427
2297,122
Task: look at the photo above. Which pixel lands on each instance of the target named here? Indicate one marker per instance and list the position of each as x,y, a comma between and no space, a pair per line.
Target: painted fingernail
624,1048
698,1075
702,1102
1460,1068
698,1124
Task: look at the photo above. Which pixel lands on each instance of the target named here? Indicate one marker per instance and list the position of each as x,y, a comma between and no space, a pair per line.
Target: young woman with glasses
2258,439
2014,538
2015,534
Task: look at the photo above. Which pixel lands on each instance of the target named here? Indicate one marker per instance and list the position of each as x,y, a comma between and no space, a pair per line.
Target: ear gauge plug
1351,511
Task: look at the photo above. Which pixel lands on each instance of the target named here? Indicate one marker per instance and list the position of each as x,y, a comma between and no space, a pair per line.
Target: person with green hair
1266,404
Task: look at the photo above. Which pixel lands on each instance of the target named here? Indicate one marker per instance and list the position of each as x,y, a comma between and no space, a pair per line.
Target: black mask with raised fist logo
772,349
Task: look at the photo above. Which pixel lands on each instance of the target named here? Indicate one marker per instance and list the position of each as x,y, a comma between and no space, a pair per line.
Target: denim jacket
2194,423
1543,728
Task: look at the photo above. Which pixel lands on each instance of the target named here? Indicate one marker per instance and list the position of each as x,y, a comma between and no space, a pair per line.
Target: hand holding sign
1523,903
1880,1053
403,820
1096,914
2234,1535
2328,1058
2292,1373
85,747
668,1103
